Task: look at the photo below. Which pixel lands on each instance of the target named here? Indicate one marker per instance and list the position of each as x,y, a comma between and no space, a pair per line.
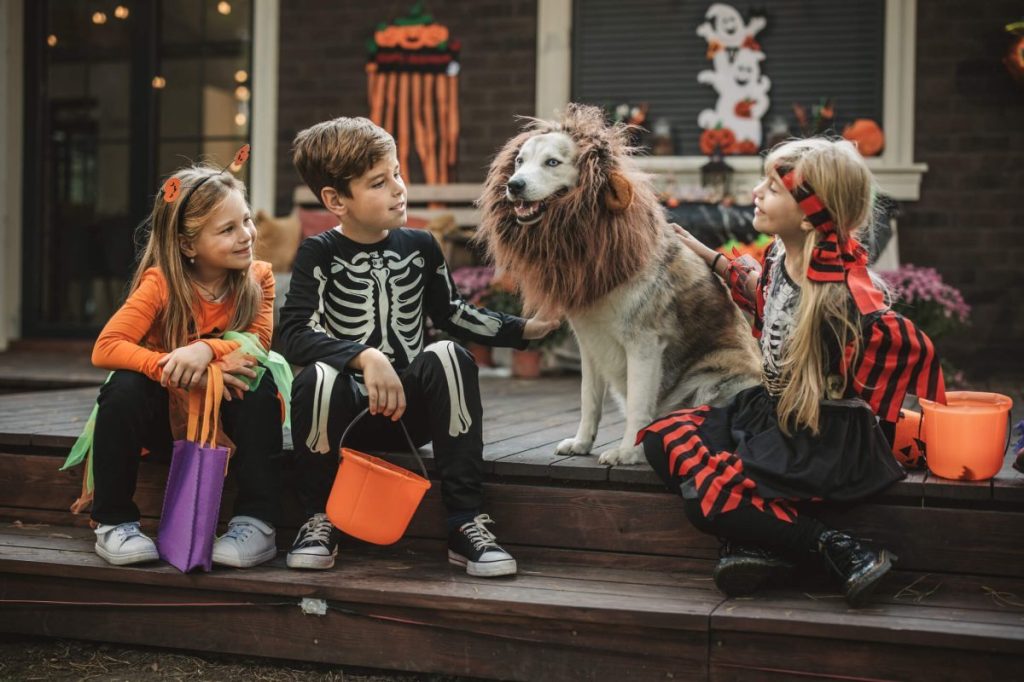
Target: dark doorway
117,95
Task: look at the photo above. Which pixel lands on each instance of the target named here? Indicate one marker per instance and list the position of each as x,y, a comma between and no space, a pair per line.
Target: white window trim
263,172
897,172
12,154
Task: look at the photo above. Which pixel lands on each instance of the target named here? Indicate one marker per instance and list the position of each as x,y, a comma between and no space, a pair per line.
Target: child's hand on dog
536,328
383,387
694,244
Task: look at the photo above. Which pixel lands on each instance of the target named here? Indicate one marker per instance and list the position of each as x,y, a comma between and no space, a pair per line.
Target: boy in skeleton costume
354,317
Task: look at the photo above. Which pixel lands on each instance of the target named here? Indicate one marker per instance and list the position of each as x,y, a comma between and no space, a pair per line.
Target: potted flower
936,307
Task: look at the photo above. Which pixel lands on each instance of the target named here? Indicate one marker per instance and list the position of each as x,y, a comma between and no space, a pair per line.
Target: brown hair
589,240
844,184
335,152
163,251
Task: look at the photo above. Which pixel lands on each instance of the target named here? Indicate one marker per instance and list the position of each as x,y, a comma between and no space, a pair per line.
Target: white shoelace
127,531
240,531
478,533
317,529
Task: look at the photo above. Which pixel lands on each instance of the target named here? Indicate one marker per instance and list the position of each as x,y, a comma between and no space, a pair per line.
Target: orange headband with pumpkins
172,186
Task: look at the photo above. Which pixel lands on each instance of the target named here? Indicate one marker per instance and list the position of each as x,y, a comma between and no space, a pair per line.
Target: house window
649,52
862,54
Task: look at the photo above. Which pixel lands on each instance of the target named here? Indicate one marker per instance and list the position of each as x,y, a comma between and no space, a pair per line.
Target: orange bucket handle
412,448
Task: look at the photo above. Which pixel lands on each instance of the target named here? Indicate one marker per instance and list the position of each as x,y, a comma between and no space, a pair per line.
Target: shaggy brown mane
581,249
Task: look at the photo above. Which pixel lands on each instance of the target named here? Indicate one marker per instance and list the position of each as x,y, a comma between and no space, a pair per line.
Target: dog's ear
619,194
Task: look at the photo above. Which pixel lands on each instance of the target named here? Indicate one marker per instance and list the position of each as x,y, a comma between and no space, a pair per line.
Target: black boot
741,571
858,568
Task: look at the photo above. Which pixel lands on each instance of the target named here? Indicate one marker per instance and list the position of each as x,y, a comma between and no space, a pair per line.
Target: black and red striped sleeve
896,358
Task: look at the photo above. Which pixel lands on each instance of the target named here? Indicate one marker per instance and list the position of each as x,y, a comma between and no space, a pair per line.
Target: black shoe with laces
472,545
741,571
858,568
315,546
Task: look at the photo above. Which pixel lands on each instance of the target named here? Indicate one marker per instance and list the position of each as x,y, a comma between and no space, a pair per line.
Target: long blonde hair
844,184
163,251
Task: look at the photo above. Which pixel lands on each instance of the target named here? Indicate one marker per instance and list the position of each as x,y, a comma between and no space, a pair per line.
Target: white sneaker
315,546
247,543
124,544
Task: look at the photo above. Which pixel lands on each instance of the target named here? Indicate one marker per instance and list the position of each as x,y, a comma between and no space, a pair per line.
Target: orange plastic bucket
966,438
373,499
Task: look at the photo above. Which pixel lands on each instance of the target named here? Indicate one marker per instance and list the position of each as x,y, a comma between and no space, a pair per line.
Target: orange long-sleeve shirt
132,340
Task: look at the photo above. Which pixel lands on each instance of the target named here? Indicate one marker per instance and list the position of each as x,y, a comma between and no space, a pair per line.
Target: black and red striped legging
746,525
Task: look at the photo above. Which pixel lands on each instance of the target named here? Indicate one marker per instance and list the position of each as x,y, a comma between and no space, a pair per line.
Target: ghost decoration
741,88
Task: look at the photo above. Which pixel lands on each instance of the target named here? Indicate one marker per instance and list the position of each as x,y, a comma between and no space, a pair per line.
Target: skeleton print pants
442,396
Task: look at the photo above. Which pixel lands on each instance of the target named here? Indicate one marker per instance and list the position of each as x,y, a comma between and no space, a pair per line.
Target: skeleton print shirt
781,301
346,297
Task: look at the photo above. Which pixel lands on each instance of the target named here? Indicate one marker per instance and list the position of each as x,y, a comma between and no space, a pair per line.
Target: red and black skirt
737,455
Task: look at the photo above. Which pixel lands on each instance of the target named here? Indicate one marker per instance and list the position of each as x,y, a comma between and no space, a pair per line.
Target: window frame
897,172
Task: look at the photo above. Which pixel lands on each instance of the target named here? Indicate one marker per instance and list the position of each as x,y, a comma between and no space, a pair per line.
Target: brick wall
322,56
969,223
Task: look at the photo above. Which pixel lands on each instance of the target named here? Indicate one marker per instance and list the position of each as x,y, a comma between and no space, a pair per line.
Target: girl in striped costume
837,365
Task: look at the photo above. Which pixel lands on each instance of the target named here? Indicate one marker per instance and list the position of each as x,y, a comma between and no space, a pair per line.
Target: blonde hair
335,152
163,251
843,183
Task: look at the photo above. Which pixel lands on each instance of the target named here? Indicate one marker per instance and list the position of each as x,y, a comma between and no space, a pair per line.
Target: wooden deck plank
432,638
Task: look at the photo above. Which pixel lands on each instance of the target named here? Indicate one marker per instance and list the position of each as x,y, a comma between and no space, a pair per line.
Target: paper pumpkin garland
412,78
733,126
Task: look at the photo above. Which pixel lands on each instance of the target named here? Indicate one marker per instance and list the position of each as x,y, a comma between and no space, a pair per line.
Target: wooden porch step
943,535
403,608
400,608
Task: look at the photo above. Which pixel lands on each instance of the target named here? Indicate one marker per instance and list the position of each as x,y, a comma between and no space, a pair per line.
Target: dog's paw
621,455
573,446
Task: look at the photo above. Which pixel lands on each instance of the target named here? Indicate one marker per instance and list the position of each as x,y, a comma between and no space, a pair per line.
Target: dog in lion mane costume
569,218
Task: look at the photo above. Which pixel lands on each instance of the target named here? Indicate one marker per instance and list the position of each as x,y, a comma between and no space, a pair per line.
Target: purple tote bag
195,483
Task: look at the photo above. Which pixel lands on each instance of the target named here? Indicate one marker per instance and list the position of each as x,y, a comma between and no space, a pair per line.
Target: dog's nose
515,185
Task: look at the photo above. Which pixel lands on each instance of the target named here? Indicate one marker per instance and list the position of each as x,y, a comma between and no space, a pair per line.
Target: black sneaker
858,568
315,546
473,546
741,571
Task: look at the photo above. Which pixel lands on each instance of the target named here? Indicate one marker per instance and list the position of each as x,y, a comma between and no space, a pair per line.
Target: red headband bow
834,260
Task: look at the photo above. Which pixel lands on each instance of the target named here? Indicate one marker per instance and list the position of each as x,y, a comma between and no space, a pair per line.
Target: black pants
744,525
442,396
133,414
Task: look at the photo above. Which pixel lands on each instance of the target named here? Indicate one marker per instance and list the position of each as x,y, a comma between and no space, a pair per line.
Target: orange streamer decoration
413,71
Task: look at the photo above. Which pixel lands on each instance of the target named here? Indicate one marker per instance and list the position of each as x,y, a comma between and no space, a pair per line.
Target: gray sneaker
124,544
248,542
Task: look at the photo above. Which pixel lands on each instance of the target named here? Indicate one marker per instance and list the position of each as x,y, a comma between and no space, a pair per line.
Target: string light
51,40
242,93
121,12
99,18
240,119
241,76
224,7
159,82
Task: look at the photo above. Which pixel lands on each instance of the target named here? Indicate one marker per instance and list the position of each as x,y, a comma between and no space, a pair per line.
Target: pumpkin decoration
742,147
412,77
907,446
743,108
721,139
866,134
172,188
